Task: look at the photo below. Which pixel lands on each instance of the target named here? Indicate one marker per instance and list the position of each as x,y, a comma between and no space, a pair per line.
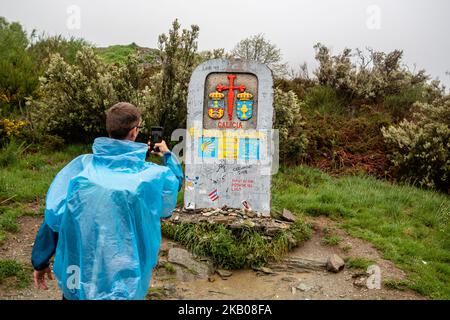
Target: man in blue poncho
102,215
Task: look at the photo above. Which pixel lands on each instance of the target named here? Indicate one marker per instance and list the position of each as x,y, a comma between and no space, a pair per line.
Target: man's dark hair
121,118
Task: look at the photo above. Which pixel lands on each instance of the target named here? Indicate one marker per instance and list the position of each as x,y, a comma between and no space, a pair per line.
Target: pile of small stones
234,219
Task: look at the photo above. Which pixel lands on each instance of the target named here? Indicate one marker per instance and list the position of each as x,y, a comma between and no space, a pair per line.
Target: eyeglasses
139,127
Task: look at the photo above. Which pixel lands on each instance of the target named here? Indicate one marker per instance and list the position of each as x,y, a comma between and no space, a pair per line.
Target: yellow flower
12,127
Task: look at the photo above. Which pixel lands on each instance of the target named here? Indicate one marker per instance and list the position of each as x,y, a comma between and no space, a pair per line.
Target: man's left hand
39,278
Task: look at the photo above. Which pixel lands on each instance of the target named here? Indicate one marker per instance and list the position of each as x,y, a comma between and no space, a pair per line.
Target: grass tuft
395,284
13,269
331,240
358,263
169,268
10,153
235,249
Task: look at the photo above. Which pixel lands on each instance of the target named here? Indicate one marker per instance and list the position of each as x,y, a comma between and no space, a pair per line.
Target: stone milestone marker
229,143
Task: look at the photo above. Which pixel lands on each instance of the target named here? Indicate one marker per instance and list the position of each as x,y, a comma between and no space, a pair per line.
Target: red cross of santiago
230,96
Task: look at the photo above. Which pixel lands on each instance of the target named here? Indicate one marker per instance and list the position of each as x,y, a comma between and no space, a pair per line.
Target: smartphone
156,136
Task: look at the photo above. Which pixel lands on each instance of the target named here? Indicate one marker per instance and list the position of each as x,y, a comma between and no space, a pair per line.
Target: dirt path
18,247
242,284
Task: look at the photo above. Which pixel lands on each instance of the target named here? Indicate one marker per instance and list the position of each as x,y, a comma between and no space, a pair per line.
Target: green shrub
400,104
45,46
18,76
177,56
342,144
421,146
365,76
290,123
324,100
73,98
52,142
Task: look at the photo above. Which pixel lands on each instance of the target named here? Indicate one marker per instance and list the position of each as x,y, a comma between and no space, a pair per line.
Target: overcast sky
419,27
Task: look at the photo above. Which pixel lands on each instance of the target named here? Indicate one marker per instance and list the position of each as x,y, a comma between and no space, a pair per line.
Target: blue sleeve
44,247
173,181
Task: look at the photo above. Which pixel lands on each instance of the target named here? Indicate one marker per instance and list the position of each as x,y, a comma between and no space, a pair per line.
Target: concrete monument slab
230,141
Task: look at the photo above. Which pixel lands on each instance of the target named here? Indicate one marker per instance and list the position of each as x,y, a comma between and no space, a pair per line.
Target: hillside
119,53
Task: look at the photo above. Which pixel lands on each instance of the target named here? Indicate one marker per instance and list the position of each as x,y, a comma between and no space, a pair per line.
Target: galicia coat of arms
244,106
216,105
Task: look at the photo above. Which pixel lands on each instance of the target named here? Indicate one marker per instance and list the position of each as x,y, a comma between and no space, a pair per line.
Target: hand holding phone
156,144
155,137
161,147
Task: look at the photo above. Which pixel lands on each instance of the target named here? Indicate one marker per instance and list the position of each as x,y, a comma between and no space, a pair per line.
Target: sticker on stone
213,195
191,183
208,147
249,149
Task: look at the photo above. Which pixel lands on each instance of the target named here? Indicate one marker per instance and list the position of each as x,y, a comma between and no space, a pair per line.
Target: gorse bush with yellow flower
11,129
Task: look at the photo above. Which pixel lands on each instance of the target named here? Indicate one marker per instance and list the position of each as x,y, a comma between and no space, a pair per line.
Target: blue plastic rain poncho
106,208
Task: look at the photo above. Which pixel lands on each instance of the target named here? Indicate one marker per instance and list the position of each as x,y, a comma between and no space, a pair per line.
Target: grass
169,268
346,248
395,284
331,240
116,53
9,215
235,249
410,226
20,273
27,178
24,180
11,152
8,218
358,263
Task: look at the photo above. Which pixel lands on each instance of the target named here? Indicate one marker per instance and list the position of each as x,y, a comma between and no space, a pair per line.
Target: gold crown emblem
216,95
244,96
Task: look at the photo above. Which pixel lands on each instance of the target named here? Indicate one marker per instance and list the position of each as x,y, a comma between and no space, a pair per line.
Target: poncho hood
109,147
